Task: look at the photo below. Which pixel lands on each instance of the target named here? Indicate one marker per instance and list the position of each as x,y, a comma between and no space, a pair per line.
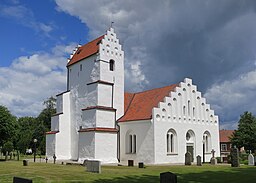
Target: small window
81,67
111,65
224,147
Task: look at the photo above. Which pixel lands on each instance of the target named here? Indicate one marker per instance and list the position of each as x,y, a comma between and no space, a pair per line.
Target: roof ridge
154,89
133,95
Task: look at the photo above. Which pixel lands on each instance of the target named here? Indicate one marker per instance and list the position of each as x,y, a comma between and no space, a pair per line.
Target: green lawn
42,172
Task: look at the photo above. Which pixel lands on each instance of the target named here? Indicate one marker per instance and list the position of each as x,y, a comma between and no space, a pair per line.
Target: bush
218,159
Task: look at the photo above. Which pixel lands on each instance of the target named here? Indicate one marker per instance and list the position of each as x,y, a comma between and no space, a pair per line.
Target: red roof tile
138,106
225,134
51,132
86,51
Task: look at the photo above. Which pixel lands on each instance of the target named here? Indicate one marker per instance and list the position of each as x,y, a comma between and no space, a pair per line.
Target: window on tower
111,65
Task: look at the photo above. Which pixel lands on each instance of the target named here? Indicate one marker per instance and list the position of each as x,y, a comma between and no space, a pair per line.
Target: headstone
25,162
198,161
213,159
93,166
54,158
130,163
168,177
251,159
141,165
21,180
46,159
188,158
234,157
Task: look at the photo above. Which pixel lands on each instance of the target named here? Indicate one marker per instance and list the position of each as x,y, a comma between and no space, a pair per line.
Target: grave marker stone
213,159
250,159
21,180
93,166
168,177
198,161
188,158
141,165
234,157
130,163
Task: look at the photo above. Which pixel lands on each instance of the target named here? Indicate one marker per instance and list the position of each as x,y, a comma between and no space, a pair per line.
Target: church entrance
190,142
190,148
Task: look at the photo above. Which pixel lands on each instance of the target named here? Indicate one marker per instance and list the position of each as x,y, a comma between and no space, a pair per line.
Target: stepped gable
86,51
138,106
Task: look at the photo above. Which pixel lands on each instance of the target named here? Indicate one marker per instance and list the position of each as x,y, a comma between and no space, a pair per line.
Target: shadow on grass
131,179
234,175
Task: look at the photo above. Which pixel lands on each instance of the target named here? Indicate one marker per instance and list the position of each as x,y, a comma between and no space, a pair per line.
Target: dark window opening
111,65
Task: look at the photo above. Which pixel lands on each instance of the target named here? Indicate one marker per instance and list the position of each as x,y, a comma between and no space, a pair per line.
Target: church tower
94,101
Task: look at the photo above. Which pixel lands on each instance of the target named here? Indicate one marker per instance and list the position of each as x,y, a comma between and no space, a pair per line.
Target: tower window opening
111,65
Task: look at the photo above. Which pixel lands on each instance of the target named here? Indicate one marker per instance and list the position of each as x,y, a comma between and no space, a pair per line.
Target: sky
211,41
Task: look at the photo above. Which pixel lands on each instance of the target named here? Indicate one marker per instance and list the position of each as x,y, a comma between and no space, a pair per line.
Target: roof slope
86,51
138,106
225,134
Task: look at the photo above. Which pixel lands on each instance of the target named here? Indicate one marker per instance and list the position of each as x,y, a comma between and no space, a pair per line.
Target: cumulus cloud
32,79
210,41
231,98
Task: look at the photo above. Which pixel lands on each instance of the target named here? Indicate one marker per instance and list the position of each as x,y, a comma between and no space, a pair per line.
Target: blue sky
211,41
21,33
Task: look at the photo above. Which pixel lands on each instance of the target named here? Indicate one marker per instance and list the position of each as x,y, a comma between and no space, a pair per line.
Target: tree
7,126
26,128
46,114
245,135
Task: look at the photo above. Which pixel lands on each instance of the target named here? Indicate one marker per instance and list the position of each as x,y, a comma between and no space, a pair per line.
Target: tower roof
85,51
138,106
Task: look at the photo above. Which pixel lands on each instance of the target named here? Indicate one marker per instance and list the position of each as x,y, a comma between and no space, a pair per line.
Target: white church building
96,119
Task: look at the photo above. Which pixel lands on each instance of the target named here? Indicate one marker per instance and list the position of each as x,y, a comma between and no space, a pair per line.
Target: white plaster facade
86,125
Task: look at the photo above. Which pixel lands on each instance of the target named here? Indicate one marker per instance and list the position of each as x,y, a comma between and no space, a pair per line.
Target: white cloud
30,80
168,40
231,98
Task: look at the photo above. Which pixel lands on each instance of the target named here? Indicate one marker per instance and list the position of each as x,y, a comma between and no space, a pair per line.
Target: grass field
42,172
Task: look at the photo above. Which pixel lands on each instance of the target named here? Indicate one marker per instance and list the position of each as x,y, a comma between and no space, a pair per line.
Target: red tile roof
86,51
138,106
225,134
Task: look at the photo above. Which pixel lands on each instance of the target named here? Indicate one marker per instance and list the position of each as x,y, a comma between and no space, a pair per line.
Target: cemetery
93,171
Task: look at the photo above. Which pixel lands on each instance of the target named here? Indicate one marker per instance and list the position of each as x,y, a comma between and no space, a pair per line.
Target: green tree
47,112
245,135
26,128
7,126
7,147
43,123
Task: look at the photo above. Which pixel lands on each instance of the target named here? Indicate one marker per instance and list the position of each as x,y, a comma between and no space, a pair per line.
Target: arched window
111,65
171,138
131,142
207,141
184,110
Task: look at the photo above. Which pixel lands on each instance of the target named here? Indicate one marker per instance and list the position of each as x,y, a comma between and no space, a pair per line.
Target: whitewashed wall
170,114
145,141
106,150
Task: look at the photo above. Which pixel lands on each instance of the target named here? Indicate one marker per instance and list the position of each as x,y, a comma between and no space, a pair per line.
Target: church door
191,150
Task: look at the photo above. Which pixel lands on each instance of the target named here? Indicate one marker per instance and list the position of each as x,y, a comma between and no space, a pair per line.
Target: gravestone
234,157
168,177
141,165
213,159
25,162
93,166
54,158
198,161
251,159
130,163
21,180
188,158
